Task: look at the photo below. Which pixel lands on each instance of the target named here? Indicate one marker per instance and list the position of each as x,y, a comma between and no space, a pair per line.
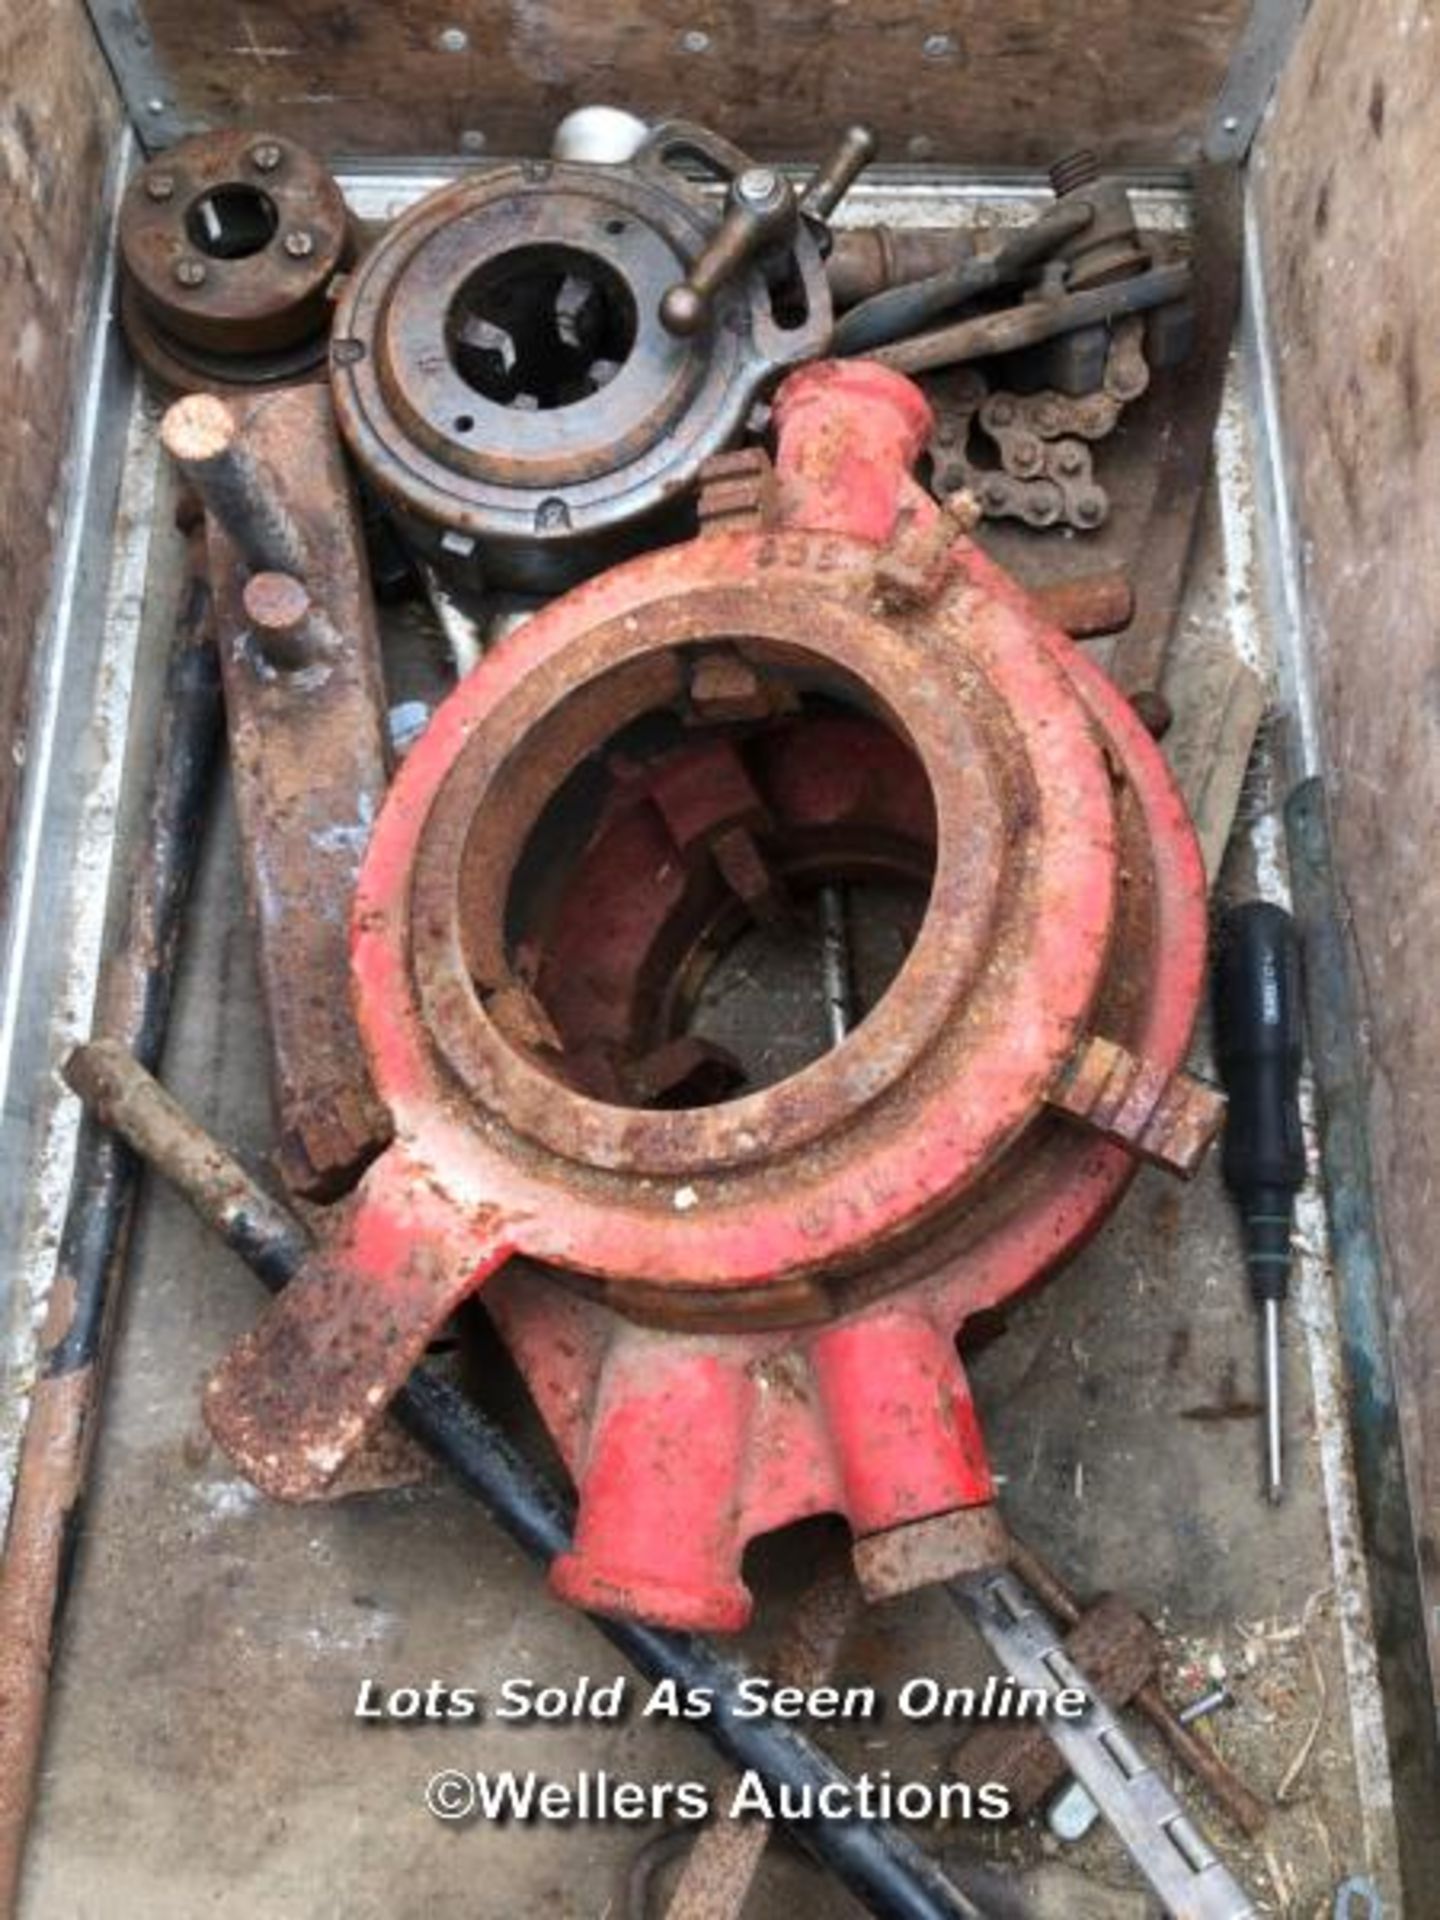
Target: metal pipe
1032,321
866,260
880,1866
899,311
133,1003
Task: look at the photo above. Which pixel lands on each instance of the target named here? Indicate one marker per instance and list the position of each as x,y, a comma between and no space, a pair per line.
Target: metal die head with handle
505,379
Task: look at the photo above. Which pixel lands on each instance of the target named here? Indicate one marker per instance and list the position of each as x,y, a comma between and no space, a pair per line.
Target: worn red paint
768,1291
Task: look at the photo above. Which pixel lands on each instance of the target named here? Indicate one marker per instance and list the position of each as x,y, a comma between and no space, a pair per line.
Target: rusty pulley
736,1304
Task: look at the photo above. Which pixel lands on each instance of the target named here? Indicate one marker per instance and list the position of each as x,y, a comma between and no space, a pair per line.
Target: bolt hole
464,423
615,226
232,223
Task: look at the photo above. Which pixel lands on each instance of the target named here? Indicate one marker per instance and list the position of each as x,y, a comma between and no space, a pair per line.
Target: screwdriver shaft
1274,1461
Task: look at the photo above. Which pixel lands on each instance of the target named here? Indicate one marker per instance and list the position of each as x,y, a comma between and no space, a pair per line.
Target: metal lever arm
762,213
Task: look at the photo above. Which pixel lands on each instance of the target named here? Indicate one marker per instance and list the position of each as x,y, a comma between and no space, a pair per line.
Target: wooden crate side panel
1348,181
59,119
1017,84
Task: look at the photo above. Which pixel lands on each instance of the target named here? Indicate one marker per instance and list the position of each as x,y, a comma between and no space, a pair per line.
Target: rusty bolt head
299,244
963,510
160,186
189,272
266,155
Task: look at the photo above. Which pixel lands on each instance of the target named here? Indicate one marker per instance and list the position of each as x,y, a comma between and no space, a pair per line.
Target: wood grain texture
59,118
1017,84
1348,182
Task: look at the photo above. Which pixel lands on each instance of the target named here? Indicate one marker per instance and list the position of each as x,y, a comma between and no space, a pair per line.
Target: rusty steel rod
1030,321
203,436
881,1867
133,1003
899,312
1229,1792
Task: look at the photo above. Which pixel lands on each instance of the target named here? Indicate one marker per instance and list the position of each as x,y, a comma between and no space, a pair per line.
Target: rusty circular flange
502,376
867,1144
229,245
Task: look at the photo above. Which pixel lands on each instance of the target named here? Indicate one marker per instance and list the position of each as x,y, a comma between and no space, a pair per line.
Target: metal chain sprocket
1046,475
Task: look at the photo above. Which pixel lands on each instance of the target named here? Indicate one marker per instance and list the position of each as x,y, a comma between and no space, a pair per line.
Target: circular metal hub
229,244
502,376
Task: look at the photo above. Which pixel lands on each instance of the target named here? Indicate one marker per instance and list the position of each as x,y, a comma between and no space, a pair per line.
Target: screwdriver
1258,1049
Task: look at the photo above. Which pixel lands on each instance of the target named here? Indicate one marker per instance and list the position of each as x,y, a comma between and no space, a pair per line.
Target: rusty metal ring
175,368
492,799
230,243
979,1084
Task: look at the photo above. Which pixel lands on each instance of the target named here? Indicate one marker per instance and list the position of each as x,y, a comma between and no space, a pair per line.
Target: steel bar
715,1881
885,1870
1032,321
717,1876
898,312
203,435
133,1004
1137,664
305,706
1274,1421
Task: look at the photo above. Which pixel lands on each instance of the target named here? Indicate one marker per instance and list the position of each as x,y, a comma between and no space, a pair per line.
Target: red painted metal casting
738,1313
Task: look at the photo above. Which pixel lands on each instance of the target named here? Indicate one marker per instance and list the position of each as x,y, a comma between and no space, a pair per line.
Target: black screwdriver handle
1259,1047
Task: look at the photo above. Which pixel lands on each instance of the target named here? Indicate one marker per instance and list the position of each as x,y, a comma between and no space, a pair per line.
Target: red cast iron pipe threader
735,1315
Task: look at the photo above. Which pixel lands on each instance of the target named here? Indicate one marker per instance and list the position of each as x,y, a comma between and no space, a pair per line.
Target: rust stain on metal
720,1868
56,1445
965,1540
306,712
1087,608
1167,1118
